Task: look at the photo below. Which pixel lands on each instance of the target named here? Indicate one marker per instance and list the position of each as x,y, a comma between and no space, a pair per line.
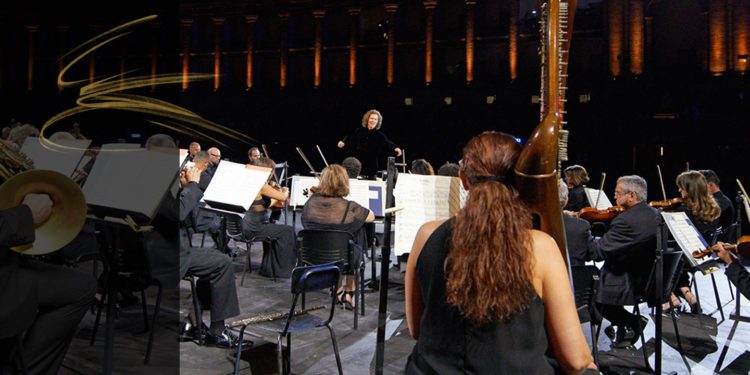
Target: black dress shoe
638,331
226,339
610,332
189,332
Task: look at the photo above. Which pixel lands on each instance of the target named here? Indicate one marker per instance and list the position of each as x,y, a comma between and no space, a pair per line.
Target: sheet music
183,155
234,186
424,198
53,158
604,202
366,193
687,237
132,181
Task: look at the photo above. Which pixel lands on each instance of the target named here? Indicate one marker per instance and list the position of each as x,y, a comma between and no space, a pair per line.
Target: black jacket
579,240
577,199
628,253
18,297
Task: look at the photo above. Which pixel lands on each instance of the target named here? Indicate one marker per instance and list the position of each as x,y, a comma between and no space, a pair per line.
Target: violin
309,192
278,203
742,247
667,205
591,214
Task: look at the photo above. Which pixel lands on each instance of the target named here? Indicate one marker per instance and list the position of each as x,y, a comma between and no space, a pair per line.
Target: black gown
370,147
281,257
450,344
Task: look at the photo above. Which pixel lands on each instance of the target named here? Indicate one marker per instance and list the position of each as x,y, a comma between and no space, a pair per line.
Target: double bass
538,167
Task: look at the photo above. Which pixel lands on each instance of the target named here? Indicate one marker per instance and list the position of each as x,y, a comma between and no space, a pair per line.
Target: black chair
711,238
304,279
127,265
197,312
328,246
234,232
585,285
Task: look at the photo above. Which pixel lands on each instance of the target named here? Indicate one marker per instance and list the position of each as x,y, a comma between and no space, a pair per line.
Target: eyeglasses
621,193
216,155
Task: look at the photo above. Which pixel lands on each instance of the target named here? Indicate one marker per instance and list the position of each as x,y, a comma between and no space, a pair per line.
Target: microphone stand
385,263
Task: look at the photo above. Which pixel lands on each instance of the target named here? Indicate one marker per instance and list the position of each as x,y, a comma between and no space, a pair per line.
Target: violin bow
601,187
661,181
302,154
744,199
273,171
321,155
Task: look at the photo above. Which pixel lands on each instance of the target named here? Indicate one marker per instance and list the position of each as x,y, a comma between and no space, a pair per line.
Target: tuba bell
68,204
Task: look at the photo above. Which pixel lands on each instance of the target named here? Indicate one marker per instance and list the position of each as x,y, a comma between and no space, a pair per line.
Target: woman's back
449,343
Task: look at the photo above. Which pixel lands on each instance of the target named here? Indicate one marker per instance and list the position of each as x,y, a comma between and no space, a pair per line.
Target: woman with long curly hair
703,211
484,292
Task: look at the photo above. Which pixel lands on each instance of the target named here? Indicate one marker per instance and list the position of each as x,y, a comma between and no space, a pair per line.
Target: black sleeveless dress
450,344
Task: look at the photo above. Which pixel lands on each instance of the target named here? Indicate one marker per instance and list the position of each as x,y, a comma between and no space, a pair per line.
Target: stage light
584,98
448,100
535,99
409,101
491,99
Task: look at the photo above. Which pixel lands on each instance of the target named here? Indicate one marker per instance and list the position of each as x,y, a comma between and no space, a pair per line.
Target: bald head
214,156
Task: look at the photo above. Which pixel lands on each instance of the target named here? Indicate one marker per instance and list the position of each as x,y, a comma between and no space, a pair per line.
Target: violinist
703,212
253,154
576,177
282,256
328,210
577,232
627,250
727,208
735,271
369,144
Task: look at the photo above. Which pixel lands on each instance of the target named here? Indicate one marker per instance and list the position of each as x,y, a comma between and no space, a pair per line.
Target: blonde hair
698,201
366,117
578,174
334,182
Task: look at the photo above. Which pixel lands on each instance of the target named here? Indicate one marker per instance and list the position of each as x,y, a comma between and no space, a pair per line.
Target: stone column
251,21
319,15
429,6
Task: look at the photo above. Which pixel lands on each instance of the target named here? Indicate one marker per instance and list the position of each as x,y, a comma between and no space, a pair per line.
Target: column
470,4
353,34
636,37
186,25
218,32
741,24
614,16
284,49
32,29
390,10
513,39
717,60
429,6
251,21
319,15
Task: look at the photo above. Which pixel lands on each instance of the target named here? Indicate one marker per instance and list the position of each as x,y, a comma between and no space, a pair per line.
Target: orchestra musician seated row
576,177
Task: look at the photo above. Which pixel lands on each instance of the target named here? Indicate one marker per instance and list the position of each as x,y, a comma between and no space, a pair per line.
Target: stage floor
706,347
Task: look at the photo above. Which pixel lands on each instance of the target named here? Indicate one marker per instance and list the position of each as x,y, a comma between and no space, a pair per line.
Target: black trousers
64,295
618,315
282,256
211,265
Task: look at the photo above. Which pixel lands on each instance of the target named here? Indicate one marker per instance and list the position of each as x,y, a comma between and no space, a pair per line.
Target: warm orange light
219,22
429,6
390,10
186,24
636,37
742,35
615,37
354,19
470,40
717,63
318,14
513,39
284,51
30,73
250,41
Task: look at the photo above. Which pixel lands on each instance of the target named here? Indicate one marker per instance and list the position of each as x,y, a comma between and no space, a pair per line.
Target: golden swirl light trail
109,93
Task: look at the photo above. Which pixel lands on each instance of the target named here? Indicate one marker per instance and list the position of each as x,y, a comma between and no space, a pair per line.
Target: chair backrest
313,278
585,283
234,225
324,246
672,266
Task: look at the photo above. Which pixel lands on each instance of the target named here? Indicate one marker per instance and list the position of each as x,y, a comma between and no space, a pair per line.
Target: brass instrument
537,168
68,204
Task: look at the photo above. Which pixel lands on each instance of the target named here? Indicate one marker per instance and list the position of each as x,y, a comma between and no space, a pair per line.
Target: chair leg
198,319
248,265
716,294
153,326
335,349
288,368
361,286
594,344
731,293
303,300
677,334
239,351
643,342
203,239
99,312
279,360
145,310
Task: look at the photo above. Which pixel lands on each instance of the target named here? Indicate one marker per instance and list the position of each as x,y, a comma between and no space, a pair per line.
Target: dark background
615,132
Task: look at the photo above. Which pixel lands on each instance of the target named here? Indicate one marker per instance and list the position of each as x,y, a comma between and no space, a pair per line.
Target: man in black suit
727,208
45,301
577,233
214,157
208,264
627,250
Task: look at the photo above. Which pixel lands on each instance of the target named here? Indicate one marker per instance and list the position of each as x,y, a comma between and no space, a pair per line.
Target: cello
538,167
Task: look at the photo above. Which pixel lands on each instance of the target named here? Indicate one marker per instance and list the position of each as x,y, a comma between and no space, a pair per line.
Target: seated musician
328,210
208,265
201,221
353,166
627,250
577,232
727,208
735,271
45,301
576,177
214,158
255,224
704,213
423,167
485,293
